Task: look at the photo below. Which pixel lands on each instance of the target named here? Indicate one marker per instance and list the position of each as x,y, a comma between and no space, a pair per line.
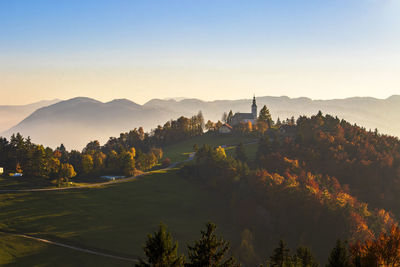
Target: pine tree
266,116
240,152
281,255
339,256
161,250
210,251
306,257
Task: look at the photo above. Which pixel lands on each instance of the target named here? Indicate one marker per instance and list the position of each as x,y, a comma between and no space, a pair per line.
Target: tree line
213,251
131,151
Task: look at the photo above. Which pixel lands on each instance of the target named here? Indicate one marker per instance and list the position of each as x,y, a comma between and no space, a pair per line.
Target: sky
207,49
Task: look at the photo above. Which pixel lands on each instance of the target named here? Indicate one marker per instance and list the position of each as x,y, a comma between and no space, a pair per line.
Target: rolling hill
76,121
10,115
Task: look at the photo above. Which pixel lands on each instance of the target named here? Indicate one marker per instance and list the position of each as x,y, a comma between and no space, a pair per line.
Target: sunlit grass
182,150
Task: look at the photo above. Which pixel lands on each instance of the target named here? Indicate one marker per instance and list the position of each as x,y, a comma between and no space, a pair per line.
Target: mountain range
77,121
12,114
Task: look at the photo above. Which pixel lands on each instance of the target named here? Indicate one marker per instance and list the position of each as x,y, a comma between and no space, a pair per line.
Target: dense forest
313,180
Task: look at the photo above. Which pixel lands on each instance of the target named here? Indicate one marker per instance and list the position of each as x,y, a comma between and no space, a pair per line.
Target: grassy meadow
181,151
113,219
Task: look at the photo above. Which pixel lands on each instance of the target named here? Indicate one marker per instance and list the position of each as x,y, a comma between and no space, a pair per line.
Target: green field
181,151
17,251
114,219
7,182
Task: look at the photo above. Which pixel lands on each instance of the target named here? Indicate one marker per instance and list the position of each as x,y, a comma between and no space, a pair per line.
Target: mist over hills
76,121
12,114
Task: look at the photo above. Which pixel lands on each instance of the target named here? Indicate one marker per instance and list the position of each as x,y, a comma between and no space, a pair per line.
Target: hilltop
76,121
12,114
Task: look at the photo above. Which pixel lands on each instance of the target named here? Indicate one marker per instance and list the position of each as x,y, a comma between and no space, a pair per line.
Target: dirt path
173,165
124,180
73,247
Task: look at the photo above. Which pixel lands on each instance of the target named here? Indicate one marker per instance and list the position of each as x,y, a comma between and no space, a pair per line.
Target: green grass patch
181,151
23,182
249,149
115,218
18,251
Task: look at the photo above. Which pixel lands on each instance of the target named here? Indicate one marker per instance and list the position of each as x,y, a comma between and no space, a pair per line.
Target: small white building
112,177
225,129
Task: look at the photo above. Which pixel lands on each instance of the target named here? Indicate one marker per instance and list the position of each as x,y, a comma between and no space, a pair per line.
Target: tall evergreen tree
161,250
339,256
210,251
306,257
266,116
281,255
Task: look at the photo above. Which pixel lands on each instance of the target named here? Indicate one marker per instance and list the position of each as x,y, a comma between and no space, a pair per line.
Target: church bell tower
254,108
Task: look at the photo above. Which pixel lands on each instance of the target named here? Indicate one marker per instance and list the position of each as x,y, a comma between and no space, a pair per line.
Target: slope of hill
76,121
10,115
113,219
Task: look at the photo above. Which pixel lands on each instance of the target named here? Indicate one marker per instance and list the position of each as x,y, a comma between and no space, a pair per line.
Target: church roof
243,116
227,125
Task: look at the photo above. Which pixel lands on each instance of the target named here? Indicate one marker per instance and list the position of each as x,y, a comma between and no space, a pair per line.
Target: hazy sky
143,49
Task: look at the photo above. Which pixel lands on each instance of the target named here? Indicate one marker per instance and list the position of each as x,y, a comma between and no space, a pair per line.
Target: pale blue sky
205,49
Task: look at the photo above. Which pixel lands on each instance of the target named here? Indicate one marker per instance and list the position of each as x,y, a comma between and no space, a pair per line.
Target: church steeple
254,108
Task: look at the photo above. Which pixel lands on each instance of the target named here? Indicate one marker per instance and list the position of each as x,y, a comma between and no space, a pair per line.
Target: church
245,117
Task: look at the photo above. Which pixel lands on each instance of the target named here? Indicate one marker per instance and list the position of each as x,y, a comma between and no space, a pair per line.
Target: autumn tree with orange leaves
382,251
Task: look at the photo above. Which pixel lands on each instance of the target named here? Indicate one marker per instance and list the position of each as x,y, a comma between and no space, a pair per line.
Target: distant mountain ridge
76,121
12,114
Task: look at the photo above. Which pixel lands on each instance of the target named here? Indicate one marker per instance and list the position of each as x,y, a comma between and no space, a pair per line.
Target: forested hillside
314,180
